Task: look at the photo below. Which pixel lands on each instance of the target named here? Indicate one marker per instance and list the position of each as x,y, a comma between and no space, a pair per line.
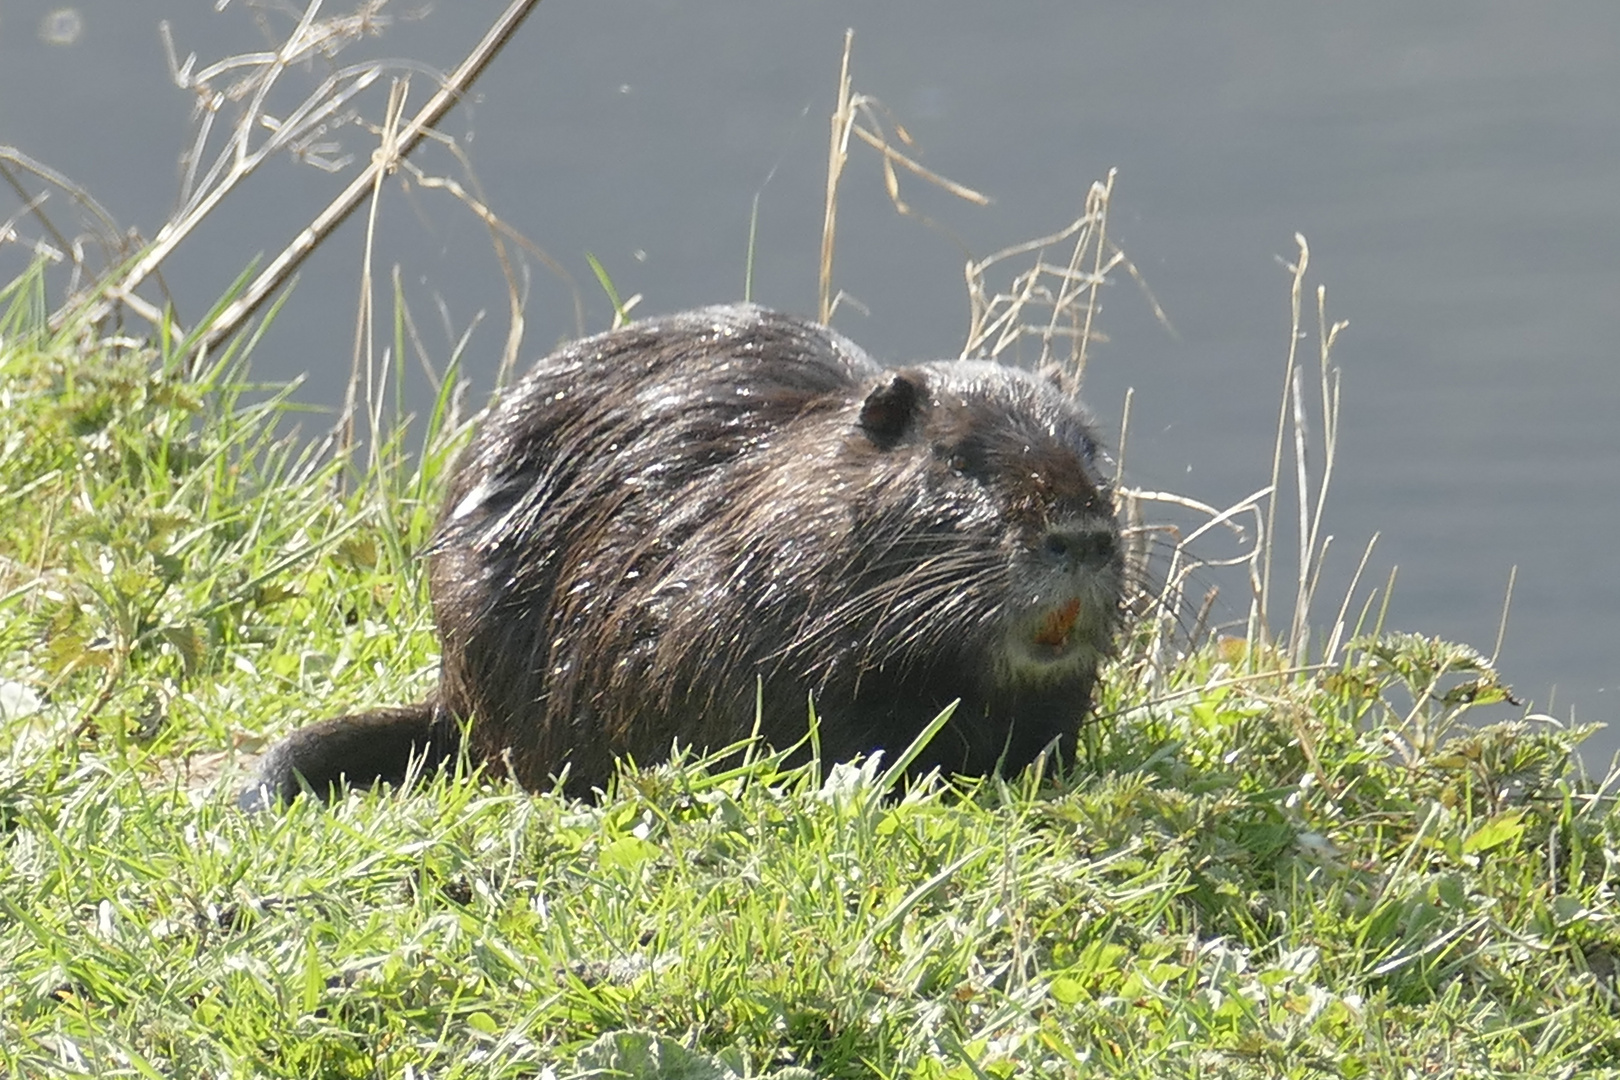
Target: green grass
1252,872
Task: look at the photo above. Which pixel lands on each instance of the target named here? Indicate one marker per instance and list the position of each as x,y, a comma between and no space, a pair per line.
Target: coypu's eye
967,458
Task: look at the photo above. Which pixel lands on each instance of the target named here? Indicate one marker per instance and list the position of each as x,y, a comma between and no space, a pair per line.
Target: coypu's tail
362,749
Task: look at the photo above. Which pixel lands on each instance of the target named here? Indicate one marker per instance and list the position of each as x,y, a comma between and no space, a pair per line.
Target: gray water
1455,166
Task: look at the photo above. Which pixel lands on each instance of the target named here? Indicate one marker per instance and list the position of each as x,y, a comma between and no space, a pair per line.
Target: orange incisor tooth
1057,626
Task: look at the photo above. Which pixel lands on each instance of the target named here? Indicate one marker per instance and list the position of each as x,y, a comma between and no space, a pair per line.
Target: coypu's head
995,517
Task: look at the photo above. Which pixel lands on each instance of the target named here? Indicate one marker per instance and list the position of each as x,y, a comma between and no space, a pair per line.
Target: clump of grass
161,523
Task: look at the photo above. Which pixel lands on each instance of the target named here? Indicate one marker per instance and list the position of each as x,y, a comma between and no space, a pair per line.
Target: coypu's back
657,523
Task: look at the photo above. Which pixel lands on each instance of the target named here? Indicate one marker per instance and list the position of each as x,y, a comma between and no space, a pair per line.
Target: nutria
661,525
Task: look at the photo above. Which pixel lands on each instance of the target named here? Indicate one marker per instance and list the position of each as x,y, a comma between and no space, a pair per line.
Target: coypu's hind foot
360,750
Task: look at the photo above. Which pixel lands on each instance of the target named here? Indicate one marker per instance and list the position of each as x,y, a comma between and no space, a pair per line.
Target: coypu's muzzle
1071,603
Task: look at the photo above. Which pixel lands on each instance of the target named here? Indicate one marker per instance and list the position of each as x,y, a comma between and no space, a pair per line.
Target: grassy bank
1256,870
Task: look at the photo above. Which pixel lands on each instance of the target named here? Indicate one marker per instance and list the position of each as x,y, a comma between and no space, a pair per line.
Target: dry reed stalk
499,233
1050,302
850,109
1293,429
837,154
364,354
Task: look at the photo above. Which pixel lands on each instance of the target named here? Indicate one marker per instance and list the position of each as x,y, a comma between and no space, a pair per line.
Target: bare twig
237,161
283,265
301,132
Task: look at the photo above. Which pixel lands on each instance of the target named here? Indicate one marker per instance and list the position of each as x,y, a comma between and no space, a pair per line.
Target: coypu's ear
889,411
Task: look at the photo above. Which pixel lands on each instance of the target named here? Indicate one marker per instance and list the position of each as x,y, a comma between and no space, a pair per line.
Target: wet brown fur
660,522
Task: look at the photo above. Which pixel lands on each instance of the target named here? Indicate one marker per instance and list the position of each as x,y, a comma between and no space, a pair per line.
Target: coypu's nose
1082,545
